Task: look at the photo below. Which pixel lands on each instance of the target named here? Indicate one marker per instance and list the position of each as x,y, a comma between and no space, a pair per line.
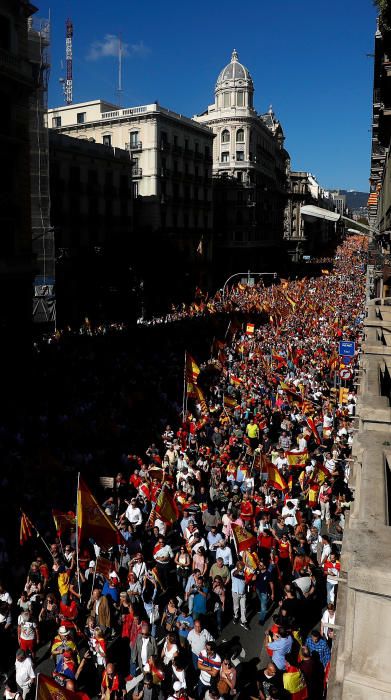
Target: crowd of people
232,517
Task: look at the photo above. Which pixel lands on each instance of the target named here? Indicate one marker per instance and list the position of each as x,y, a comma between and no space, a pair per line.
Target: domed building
250,169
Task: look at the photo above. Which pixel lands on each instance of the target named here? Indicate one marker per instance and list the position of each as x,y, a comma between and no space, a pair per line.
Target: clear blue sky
307,58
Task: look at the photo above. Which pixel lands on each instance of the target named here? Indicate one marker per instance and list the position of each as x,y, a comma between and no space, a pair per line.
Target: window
135,189
240,98
240,136
226,99
107,140
225,136
186,144
56,122
81,117
239,155
196,148
225,157
134,138
207,152
239,176
175,140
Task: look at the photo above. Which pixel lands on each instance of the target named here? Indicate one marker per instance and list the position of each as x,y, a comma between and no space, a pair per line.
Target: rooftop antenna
119,89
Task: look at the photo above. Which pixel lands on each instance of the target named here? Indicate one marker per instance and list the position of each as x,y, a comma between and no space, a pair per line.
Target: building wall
16,86
92,215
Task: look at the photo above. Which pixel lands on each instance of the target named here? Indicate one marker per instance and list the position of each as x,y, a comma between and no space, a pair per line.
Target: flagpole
77,531
93,578
184,390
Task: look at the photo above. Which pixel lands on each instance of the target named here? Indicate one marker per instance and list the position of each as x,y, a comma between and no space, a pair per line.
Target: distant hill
354,199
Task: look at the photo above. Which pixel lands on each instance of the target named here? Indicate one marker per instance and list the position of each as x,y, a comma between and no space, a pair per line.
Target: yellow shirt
252,430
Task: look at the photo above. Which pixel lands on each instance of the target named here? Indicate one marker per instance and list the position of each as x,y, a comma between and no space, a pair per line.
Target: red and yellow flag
229,403
199,395
297,459
27,529
92,521
166,507
236,381
48,689
63,521
192,369
274,478
312,426
243,539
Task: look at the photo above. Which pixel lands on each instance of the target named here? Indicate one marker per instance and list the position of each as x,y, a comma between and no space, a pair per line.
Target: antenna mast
68,89
119,89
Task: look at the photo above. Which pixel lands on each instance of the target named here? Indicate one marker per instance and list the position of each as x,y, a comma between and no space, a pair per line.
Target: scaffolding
44,302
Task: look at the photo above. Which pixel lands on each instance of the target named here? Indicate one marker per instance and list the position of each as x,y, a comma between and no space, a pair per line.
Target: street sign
347,348
344,360
346,373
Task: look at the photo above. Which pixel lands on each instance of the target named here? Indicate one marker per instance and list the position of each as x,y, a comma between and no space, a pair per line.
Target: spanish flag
275,479
243,539
92,521
312,426
229,403
27,529
235,381
192,369
199,395
166,507
63,521
48,689
297,459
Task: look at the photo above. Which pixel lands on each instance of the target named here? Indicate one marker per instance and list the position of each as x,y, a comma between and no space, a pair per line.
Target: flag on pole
243,539
192,369
275,480
27,529
92,521
235,381
48,689
312,426
229,403
201,399
166,507
63,521
297,459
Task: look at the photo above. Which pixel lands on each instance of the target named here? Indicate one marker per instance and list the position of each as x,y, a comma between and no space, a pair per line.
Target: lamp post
248,274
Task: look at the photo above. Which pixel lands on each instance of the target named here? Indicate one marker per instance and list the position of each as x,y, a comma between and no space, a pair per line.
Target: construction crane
68,81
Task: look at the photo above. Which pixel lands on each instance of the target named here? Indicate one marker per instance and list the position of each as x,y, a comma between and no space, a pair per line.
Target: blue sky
307,59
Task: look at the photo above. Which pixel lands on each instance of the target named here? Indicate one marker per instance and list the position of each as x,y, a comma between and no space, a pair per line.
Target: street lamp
312,213
248,274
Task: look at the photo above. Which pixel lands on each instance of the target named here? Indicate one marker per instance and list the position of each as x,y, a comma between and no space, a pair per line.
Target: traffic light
343,395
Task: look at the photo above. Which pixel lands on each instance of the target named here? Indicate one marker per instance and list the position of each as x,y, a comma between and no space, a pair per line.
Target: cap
177,686
317,512
92,563
63,630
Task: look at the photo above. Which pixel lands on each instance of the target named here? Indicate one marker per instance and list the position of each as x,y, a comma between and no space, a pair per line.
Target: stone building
303,237
171,180
92,216
250,166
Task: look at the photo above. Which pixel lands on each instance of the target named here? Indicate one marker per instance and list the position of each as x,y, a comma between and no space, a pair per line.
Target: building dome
234,71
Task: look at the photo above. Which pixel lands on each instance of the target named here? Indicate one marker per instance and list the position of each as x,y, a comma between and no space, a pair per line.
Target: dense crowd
232,516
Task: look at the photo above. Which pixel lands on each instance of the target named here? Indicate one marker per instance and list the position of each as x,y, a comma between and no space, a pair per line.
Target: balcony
135,146
188,153
165,172
198,155
165,146
137,172
177,149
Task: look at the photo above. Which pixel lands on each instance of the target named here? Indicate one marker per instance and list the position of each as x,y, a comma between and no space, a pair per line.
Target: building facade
92,216
250,166
302,237
171,175
16,270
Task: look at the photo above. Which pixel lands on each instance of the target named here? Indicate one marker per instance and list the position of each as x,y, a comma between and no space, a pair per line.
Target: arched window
240,136
225,136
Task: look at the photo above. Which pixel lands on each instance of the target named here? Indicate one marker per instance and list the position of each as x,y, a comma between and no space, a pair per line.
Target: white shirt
24,672
144,655
197,641
133,514
225,554
164,554
291,515
27,629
